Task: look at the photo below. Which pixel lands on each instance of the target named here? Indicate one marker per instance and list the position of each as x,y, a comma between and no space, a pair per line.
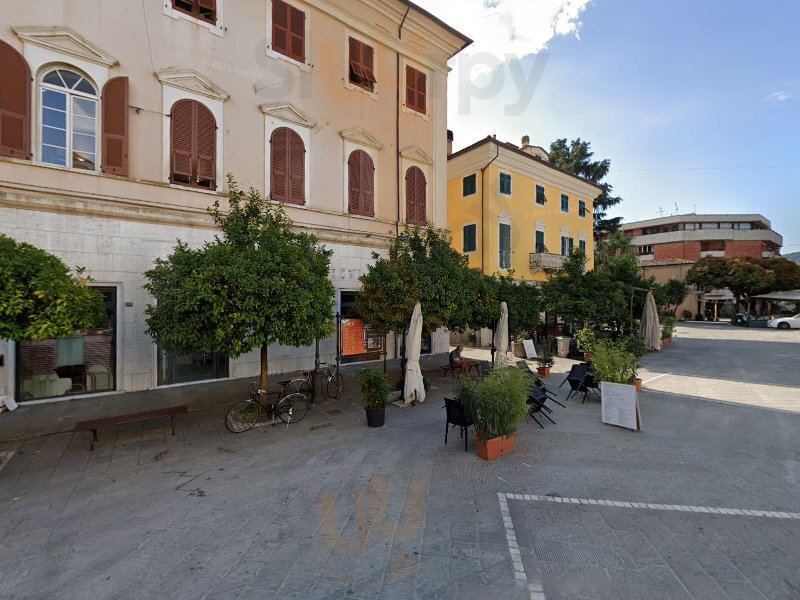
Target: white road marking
536,588
656,377
5,458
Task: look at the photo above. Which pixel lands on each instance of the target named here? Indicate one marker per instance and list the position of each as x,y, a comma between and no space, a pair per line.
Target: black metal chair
536,405
456,418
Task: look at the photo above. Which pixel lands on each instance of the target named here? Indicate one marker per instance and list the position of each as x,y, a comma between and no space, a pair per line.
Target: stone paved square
331,509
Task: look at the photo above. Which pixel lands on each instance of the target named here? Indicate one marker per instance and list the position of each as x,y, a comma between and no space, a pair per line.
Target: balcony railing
544,261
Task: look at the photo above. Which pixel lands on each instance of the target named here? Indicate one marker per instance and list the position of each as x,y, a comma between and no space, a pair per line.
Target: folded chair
456,418
536,405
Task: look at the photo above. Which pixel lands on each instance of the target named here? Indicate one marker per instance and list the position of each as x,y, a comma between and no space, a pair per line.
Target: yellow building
509,209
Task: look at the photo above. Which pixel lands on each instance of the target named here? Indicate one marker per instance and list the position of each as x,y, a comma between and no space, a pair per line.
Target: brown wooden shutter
182,132
422,100
356,63
280,26
15,104
367,185
297,169
206,147
415,196
297,47
361,184
279,153
411,87
354,183
368,62
208,5
115,126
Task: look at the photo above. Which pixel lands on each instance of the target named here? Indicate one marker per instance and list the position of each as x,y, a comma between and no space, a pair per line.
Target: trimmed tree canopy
40,299
259,283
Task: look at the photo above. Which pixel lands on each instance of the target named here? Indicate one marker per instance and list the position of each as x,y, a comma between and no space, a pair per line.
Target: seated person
457,361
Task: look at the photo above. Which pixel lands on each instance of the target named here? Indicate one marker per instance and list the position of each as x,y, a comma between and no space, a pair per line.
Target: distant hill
794,257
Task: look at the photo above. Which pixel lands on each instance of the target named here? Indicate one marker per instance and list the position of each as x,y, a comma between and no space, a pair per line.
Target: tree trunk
264,381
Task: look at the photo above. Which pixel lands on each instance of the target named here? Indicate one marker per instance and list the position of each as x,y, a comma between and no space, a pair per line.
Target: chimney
450,138
536,151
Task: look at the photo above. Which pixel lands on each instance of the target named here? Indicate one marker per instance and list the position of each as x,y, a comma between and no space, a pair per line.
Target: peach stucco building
119,121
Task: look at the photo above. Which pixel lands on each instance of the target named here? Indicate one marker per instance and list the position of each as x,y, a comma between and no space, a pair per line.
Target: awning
790,296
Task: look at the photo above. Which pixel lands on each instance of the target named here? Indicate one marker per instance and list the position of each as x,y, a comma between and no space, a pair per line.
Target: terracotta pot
638,384
664,342
543,371
495,447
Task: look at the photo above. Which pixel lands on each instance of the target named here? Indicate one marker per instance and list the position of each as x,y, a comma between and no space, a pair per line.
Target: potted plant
545,359
586,338
615,363
375,394
668,330
497,406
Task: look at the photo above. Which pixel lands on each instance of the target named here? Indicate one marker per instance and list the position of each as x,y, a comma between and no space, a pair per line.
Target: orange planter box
495,447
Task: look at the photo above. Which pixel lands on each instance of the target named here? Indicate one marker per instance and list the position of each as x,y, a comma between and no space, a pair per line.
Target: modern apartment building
511,210
691,237
668,247
120,119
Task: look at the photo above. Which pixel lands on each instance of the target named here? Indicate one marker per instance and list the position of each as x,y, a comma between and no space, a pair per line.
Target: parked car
786,322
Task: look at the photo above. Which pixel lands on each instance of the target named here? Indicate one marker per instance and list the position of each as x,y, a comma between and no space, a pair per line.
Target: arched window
361,184
15,104
287,167
193,132
416,189
68,135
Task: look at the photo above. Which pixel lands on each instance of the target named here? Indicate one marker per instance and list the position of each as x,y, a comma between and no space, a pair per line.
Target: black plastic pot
376,418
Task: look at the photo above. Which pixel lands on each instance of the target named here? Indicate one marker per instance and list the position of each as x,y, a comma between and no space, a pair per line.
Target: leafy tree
479,303
524,304
787,273
258,283
576,157
422,266
674,293
746,278
612,246
709,272
40,299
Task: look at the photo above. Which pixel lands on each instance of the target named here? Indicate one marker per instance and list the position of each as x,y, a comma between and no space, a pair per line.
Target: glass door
198,366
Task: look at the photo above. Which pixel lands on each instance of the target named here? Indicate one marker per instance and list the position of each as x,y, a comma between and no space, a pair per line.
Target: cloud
510,28
780,96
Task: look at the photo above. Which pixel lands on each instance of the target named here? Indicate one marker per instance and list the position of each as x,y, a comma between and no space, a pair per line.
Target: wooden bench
150,415
451,369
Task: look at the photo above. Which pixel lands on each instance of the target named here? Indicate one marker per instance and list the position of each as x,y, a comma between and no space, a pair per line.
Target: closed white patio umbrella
414,389
501,337
650,331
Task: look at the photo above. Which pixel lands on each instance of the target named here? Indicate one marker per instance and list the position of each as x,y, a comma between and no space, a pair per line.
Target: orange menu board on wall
353,343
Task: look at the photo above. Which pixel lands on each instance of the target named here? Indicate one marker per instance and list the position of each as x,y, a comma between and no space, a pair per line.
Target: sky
695,102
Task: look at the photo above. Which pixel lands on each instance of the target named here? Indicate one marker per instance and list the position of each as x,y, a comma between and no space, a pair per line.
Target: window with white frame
288,32
68,125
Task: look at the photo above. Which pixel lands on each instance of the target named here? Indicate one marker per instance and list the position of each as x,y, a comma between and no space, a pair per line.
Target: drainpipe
397,158
483,203
397,120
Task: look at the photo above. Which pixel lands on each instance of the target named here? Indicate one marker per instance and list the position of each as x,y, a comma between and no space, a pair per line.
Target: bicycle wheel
299,385
292,408
334,386
242,416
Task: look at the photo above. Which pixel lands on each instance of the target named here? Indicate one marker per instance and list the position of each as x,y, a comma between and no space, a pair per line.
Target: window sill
410,111
176,14
469,196
178,186
39,163
362,217
303,66
373,95
505,195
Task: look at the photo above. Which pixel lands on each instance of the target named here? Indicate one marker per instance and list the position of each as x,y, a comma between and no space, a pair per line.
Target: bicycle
304,385
289,408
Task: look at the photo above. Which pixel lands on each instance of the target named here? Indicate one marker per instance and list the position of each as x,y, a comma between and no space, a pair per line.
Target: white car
786,322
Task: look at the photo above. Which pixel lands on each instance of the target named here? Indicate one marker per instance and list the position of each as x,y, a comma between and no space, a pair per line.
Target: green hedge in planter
613,363
374,389
497,405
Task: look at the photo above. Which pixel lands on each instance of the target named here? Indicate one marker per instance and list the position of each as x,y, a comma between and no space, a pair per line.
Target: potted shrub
668,330
375,394
497,406
586,338
545,359
615,363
